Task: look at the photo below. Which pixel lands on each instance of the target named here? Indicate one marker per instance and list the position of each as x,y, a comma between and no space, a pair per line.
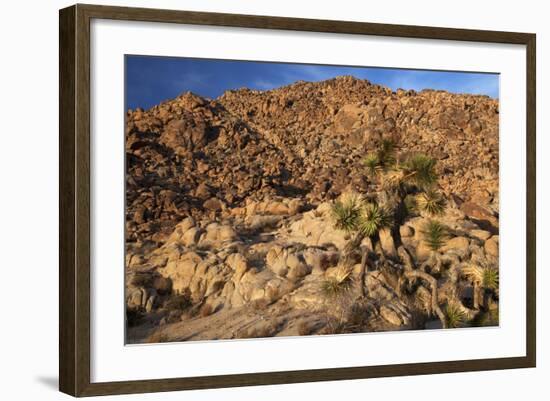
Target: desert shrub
339,284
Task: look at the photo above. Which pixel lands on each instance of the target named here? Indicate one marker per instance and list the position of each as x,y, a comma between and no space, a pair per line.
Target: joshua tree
360,219
401,185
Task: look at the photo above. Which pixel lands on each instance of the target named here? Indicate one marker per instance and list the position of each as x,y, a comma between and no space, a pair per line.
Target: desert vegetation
319,208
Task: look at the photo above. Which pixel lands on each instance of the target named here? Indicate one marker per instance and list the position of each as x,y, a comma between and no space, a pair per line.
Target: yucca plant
490,278
373,218
431,201
346,213
484,275
454,316
339,284
372,164
434,234
419,170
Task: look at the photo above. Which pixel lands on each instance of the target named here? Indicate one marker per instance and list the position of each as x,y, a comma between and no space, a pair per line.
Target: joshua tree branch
416,274
364,268
411,274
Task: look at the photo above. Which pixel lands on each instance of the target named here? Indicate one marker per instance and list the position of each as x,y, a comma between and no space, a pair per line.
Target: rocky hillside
302,141
229,226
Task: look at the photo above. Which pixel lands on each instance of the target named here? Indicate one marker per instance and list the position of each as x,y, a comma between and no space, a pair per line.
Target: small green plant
490,278
431,202
339,284
372,164
346,213
434,234
373,218
454,316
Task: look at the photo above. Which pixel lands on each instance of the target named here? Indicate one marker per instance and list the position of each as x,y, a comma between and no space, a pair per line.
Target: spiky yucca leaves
373,218
490,278
434,234
454,316
372,164
431,201
484,275
339,284
346,213
419,170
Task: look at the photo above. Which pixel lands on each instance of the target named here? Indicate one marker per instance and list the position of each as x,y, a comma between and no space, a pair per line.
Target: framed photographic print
250,200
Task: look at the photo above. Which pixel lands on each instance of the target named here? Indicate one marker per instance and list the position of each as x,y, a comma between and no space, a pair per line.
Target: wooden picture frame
74,204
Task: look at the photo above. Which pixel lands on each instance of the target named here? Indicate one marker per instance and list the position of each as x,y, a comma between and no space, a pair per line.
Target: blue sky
151,80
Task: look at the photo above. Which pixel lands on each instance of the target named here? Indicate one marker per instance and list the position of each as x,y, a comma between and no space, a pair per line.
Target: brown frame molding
74,199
